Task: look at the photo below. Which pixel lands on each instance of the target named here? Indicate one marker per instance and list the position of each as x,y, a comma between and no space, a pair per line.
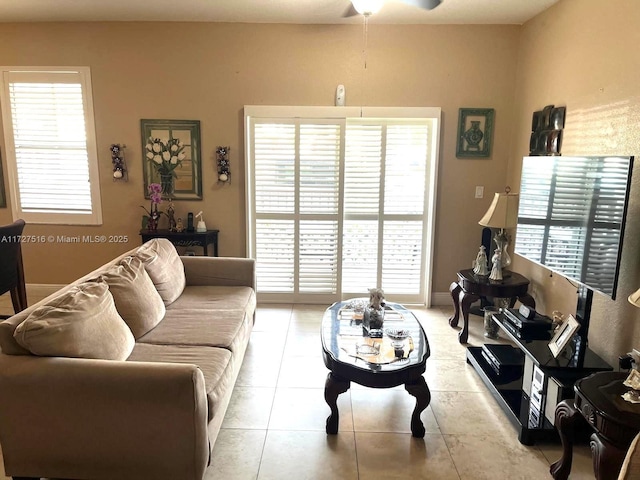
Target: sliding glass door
338,205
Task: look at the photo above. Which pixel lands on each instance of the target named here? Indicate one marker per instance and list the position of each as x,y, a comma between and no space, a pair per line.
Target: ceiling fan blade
426,4
350,12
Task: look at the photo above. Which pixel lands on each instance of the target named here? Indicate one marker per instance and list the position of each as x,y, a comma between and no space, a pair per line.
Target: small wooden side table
615,423
470,287
186,239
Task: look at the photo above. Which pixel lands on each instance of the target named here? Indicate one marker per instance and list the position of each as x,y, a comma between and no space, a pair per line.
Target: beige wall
207,72
584,54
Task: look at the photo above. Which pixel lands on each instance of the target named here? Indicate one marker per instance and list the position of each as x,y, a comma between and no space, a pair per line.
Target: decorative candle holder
222,156
119,164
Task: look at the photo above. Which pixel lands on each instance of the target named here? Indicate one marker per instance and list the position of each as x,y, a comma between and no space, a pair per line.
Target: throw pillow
136,298
83,322
162,263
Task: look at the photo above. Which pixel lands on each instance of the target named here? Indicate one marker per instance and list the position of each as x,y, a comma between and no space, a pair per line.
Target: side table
615,423
186,239
470,287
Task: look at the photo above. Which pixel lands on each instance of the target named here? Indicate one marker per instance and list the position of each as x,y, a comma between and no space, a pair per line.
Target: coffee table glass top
344,340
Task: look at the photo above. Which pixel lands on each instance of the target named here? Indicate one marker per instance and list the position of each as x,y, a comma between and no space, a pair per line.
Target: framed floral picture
172,157
475,129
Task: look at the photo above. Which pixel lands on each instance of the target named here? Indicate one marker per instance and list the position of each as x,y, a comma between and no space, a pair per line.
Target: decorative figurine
480,265
376,298
179,226
558,319
496,270
374,313
171,216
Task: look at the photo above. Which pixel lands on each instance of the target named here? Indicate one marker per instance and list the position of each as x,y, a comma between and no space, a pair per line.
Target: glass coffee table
352,356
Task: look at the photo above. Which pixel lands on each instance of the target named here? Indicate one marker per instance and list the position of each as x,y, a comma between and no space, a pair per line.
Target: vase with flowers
153,214
165,158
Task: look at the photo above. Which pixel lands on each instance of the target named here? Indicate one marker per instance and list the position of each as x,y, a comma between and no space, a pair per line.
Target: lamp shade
503,211
634,298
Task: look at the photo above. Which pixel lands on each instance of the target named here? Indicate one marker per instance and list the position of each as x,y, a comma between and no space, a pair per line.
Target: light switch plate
479,192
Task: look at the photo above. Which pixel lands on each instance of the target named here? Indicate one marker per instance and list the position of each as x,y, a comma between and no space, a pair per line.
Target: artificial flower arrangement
155,194
165,157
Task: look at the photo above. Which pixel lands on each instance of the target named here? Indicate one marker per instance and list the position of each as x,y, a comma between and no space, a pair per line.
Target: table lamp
502,213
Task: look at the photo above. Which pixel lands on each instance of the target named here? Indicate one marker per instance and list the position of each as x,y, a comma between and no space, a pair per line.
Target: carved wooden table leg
566,417
607,458
420,390
465,300
454,288
333,387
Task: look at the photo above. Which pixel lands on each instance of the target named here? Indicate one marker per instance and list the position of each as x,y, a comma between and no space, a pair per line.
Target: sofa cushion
165,268
216,365
83,323
211,316
136,298
211,297
228,329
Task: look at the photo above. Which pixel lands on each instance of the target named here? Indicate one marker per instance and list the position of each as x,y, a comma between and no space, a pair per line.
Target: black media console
529,396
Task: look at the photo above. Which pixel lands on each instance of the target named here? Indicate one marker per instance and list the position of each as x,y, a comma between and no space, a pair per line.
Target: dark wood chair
11,269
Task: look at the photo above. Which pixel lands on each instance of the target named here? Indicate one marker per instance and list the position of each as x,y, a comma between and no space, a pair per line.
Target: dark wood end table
470,287
615,423
186,239
345,368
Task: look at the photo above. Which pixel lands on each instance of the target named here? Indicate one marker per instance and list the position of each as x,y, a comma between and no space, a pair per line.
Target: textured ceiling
268,11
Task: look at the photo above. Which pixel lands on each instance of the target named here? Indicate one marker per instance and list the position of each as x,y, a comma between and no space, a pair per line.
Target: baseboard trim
441,299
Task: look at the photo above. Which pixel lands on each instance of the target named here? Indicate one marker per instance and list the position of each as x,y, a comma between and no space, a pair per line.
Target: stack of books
536,328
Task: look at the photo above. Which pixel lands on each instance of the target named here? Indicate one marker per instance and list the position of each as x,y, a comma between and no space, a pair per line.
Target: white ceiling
268,11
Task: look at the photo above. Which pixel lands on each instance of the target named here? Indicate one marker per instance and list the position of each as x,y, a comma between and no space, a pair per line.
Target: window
341,200
51,153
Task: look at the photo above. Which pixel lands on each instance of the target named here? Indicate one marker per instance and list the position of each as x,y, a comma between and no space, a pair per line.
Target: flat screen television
571,216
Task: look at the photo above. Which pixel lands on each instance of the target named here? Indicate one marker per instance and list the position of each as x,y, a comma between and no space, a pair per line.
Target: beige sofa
82,397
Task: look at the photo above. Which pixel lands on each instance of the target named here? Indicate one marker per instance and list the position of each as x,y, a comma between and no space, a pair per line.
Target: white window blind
339,205
52,159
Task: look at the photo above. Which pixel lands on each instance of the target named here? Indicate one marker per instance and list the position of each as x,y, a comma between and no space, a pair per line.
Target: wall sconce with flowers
118,162
222,157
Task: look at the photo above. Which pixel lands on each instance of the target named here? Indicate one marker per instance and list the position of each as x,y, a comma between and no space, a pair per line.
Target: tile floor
274,427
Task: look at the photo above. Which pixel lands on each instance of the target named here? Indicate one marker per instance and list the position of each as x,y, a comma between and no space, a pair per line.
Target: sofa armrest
125,420
220,271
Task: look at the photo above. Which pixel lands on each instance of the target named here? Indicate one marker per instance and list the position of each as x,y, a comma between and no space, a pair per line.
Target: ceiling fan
369,7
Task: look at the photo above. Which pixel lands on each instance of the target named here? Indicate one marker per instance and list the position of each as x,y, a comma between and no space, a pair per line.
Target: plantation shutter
385,187
339,204
296,207
52,157
404,208
362,195
275,154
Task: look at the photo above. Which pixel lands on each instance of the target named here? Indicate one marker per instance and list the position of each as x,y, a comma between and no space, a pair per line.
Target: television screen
571,216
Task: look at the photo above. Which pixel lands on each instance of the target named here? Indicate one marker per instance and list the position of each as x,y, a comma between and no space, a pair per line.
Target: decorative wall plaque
546,131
